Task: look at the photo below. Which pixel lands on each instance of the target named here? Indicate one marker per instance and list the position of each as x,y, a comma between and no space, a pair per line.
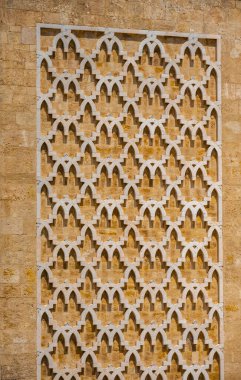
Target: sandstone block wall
18,152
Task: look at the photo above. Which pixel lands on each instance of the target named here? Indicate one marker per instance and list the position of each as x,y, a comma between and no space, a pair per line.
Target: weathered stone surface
28,36
18,339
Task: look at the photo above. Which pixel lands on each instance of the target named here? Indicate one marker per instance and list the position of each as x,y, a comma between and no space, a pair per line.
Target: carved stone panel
129,205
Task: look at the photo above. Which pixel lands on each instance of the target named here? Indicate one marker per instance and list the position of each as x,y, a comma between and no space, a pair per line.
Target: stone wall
18,152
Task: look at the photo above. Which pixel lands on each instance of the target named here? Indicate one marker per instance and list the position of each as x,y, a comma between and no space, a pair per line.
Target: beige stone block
17,249
14,28
236,51
14,37
22,364
10,275
229,91
3,37
11,226
9,291
238,91
24,118
231,193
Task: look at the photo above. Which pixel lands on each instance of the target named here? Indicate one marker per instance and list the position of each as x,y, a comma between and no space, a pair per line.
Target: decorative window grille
129,205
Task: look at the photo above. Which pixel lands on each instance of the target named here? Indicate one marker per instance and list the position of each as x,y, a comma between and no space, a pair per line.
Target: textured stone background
18,152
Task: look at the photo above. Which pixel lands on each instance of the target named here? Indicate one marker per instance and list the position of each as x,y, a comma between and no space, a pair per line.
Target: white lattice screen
129,205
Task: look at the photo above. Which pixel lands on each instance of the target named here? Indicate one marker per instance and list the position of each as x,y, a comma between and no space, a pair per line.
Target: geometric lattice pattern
129,205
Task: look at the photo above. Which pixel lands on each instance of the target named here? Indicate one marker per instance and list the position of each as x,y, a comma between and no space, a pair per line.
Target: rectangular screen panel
129,205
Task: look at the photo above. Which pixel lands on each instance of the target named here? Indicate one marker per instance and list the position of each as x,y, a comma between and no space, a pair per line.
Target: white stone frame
192,41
